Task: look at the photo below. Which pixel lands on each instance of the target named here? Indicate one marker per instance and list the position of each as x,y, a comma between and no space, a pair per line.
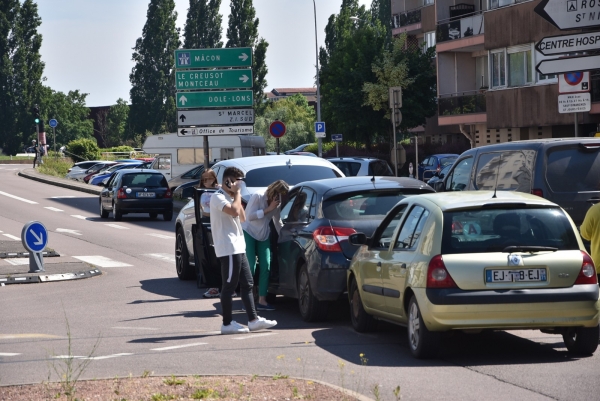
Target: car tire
103,213
153,215
311,309
361,320
182,258
582,340
117,215
168,216
422,342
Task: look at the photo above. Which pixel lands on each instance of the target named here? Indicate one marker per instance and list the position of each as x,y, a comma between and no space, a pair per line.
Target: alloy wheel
178,251
414,326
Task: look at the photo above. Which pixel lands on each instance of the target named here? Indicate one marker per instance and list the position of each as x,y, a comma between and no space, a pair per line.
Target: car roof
443,155
346,184
138,171
533,144
448,201
250,163
352,158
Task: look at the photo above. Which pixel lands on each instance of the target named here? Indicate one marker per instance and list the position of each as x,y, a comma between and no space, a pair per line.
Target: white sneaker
233,328
261,323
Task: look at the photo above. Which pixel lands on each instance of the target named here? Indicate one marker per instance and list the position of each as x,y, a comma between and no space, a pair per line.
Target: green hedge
118,149
83,149
314,147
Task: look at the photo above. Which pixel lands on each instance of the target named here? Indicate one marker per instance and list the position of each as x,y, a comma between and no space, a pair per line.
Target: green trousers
262,249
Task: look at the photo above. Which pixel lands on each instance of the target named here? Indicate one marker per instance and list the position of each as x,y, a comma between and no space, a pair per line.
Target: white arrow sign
571,64
244,78
183,100
579,42
243,57
39,238
189,118
570,14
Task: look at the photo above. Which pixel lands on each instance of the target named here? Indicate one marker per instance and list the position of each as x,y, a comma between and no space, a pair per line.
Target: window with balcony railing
457,28
492,4
461,103
406,18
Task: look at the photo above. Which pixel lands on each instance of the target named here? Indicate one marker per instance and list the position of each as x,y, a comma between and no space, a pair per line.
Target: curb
50,277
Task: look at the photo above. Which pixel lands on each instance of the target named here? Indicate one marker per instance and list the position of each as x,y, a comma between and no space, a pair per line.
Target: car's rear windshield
573,168
263,177
445,161
350,169
144,180
363,206
492,230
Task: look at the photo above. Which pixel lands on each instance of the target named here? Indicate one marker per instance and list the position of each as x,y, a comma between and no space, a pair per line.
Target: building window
481,72
429,40
498,69
520,71
428,2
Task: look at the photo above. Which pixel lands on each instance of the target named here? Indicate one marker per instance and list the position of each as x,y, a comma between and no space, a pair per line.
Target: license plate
146,194
513,275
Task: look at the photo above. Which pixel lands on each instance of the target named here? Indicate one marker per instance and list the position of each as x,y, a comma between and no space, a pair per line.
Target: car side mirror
357,239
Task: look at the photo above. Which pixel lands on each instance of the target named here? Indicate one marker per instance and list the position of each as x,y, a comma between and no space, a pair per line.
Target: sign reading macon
212,79
579,42
194,100
570,14
213,58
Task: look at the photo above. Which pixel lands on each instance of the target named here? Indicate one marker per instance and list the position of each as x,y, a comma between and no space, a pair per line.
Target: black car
313,253
136,191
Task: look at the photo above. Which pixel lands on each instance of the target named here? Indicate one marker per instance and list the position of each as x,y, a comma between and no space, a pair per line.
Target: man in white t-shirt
226,216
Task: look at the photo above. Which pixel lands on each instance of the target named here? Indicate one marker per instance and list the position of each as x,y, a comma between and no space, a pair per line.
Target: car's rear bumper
534,314
328,282
145,205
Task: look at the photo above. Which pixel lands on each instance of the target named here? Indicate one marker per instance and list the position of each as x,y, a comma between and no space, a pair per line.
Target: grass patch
56,167
172,381
204,393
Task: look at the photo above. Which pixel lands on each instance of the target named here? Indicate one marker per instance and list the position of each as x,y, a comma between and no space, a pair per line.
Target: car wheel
361,320
311,309
582,340
117,215
103,213
182,257
153,215
168,216
422,342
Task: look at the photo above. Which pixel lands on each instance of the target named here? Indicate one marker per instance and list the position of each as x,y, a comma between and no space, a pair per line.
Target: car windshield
144,180
350,169
493,230
263,177
446,161
364,205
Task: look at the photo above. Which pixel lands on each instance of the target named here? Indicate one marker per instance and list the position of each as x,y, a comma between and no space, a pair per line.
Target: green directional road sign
194,100
212,79
213,58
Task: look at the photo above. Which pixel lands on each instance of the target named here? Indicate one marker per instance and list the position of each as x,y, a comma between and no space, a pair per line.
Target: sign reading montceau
212,79
570,14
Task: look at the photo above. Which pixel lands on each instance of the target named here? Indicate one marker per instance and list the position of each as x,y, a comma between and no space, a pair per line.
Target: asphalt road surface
143,319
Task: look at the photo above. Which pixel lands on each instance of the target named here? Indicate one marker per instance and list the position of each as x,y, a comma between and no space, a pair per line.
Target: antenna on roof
497,174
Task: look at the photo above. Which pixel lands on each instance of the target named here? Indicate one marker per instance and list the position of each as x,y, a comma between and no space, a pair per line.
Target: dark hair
232,172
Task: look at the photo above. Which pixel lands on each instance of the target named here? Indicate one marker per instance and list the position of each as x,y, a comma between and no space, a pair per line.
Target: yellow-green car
473,261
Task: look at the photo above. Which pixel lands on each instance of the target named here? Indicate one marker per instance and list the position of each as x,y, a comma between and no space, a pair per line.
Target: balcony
406,18
493,4
461,103
453,28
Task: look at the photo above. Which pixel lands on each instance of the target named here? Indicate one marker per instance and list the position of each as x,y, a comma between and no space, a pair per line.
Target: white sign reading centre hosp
574,103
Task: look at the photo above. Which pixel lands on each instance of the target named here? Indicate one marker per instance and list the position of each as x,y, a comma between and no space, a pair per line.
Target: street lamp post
319,140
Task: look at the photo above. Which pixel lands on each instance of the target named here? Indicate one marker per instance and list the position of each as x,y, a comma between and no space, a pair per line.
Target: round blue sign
277,129
34,236
52,123
573,78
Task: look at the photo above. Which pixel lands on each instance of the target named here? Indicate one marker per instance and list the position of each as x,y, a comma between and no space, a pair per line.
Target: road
143,319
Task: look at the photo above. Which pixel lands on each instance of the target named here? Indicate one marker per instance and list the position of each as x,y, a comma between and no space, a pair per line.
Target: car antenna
497,173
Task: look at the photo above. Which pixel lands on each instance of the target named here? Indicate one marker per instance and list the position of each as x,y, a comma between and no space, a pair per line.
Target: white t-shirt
228,237
257,222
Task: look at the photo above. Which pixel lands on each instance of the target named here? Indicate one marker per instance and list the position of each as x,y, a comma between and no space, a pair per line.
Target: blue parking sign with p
320,127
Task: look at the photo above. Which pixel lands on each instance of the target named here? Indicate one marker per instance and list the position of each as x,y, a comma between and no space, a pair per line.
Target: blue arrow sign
34,236
52,123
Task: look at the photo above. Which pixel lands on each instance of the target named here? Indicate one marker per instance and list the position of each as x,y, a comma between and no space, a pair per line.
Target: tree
153,105
117,120
71,113
203,25
242,31
298,117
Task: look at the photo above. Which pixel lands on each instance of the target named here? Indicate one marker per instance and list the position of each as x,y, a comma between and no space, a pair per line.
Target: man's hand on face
235,186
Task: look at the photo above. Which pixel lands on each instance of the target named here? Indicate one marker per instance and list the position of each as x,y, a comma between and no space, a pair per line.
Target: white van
176,154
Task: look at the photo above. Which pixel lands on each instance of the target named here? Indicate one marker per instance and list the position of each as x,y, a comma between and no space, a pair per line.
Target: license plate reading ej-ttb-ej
146,194
503,276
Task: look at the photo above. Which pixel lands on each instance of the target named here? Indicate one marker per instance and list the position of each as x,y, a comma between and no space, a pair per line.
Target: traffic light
36,114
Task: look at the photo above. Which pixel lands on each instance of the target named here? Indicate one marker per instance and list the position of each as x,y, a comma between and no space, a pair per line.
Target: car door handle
378,266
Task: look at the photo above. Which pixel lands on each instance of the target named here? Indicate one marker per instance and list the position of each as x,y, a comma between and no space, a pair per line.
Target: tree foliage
203,25
71,113
117,122
298,117
242,31
153,104
83,149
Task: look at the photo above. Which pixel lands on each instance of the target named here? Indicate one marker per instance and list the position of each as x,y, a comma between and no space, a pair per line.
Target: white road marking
8,354
18,261
95,358
53,209
18,198
68,231
161,256
101,261
78,216
12,237
117,226
162,236
62,197
134,328
253,336
177,346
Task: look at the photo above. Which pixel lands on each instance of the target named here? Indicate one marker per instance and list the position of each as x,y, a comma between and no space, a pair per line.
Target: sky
87,44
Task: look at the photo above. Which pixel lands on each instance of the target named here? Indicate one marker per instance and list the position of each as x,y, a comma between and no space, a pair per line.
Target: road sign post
53,123
569,64
34,237
337,138
576,43
213,79
194,100
320,129
277,129
198,118
213,58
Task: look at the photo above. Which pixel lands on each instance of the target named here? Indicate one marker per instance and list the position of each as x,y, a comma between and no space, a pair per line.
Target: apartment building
488,88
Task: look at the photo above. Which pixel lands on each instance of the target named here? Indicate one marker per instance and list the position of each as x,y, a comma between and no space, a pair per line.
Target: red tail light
167,194
328,238
437,274
439,168
587,274
121,194
538,192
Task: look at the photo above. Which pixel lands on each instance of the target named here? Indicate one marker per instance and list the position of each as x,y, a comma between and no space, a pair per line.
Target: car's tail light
538,192
328,238
437,274
167,194
121,194
439,168
587,274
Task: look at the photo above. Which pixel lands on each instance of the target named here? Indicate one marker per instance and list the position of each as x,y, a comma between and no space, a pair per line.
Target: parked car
82,166
437,180
98,179
79,175
136,191
434,163
196,240
565,171
193,174
471,261
356,166
313,253
103,167
298,149
301,154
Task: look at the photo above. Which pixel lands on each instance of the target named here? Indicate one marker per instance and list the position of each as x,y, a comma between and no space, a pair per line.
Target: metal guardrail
408,17
452,29
461,103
